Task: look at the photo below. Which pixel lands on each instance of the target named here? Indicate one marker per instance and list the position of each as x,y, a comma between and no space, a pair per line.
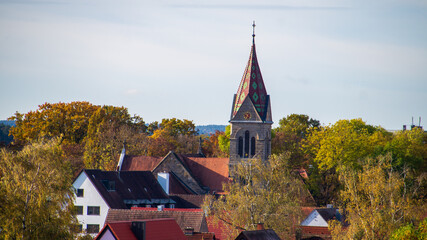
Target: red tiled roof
217,228
120,230
315,231
140,163
169,209
306,211
193,218
211,172
155,229
176,186
163,229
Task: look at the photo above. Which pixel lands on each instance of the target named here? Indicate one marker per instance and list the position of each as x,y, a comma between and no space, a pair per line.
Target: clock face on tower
247,115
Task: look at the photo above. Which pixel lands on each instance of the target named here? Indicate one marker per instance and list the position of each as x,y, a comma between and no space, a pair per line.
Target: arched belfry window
252,146
240,147
246,144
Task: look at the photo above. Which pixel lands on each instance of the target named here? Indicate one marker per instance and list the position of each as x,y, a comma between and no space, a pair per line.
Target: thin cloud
261,7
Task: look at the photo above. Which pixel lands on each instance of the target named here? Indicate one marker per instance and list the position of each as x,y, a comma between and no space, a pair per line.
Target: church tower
250,119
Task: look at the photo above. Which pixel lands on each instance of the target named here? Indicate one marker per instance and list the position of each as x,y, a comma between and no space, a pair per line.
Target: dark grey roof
329,213
267,234
186,218
187,200
131,188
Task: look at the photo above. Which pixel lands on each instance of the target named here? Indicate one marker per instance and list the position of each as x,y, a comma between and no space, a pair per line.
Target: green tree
343,144
411,232
376,200
224,141
261,192
37,195
288,137
409,149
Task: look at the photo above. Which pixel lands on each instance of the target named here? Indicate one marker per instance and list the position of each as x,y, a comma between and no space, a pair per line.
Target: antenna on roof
253,32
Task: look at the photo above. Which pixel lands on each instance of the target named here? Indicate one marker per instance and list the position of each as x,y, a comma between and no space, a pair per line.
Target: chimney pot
260,226
189,231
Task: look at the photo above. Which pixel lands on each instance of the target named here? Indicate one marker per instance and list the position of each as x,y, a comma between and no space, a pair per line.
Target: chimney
160,208
122,157
189,231
138,229
200,151
260,226
163,179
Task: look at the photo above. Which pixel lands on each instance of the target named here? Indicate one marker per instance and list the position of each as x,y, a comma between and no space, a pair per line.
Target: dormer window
79,192
109,185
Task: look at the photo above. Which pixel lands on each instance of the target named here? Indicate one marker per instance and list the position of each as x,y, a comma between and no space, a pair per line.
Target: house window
171,205
246,144
252,146
78,210
240,147
92,228
109,185
92,210
79,192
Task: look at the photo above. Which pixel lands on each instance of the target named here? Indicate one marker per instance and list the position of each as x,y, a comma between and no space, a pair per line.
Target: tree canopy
261,192
69,120
376,200
289,136
36,193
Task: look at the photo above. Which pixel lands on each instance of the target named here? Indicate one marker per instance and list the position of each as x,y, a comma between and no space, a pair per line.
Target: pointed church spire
252,85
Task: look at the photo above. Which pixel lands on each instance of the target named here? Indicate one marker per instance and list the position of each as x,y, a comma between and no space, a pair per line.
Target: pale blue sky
330,59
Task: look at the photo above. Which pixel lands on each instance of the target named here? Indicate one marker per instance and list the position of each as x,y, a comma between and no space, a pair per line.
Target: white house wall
314,220
91,197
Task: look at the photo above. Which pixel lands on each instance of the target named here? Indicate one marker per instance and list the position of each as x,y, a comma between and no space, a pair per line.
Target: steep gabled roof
266,234
140,163
252,87
210,172
130,187
328,213
192,218
120,230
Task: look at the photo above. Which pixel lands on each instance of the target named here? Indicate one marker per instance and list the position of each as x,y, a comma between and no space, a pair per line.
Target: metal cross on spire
253,32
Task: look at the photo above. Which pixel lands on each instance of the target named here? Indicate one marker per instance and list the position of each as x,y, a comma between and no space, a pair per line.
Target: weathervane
253,32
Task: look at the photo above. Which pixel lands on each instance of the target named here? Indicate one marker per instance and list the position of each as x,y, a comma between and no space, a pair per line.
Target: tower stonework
250,135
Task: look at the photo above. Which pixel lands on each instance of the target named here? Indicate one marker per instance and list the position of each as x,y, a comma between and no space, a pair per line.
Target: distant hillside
5,126
210,129
7,123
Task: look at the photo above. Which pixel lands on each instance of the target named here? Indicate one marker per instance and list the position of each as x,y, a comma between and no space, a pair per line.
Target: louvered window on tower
252,146
240,147
246,144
